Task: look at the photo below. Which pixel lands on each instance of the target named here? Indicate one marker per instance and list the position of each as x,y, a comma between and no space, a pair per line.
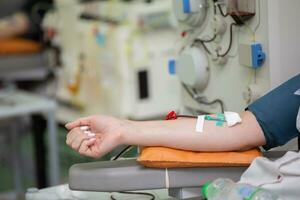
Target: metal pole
53,161
15,146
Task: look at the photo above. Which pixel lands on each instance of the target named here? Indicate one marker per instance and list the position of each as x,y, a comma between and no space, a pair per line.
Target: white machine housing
195,70
274,26
117,59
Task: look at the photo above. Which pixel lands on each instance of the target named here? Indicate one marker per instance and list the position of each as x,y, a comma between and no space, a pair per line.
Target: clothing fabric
298,120
276,113
282,176
298,117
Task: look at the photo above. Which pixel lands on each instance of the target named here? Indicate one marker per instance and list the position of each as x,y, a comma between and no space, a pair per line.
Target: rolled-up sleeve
276,113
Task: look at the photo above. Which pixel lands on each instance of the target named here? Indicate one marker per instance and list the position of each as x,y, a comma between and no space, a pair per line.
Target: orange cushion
15,46
161,157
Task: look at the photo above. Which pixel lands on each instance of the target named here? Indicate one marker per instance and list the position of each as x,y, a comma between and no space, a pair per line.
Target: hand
96,135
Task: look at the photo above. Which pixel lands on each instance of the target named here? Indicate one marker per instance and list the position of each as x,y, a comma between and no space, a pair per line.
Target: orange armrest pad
162,157
15,46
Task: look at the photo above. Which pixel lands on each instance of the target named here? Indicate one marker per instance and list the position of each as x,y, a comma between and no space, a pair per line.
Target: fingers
76,137
85,148
80,122
82,137
72,135
91,148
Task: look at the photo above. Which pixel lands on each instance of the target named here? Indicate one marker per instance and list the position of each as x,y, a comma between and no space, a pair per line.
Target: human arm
270,121
180,134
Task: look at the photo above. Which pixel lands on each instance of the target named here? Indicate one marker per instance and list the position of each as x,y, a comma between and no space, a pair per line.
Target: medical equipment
114,58
240,10
246,56
195,72
228,80
251,55
230,118
191,14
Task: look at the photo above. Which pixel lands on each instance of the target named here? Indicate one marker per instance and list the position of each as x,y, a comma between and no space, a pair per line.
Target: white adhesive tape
200,123
232,118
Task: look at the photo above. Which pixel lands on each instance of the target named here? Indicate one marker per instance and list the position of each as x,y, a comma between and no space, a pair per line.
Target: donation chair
129,175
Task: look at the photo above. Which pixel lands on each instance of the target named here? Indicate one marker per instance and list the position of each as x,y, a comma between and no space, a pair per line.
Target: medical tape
200,123
232,118
167,179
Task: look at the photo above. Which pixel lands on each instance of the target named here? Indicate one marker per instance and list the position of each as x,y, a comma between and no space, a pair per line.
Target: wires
205,48
230,41
202,41
259,18
196,111
125,150
208,40
221,11
201,100
196,41
186,116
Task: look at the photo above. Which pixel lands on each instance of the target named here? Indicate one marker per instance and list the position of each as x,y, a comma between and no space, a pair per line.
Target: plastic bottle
218,189
225,189
264,195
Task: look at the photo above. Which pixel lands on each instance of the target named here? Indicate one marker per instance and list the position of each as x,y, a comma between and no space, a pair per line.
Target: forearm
14,25
181,134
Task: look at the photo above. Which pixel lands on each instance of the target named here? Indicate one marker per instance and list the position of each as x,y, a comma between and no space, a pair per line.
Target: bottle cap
204,189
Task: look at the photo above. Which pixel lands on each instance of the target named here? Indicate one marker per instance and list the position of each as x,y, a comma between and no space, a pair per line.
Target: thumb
79,122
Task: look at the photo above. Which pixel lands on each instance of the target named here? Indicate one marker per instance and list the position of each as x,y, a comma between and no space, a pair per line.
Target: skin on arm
180,134
14,25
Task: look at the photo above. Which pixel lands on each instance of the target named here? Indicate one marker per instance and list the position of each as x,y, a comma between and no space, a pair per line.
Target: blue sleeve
276,113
